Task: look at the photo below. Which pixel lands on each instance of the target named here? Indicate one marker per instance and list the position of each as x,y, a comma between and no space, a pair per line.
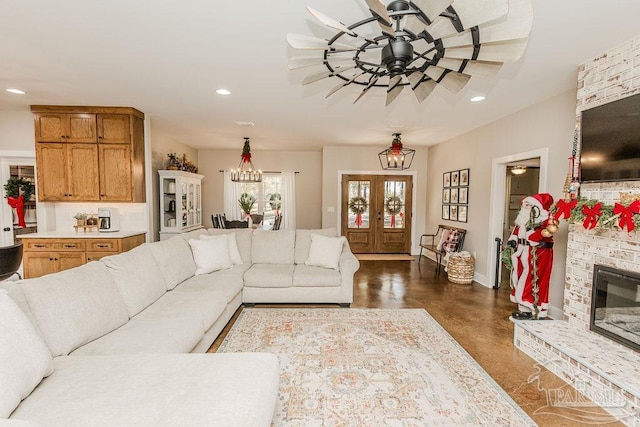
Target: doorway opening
503,186
16,168
376,213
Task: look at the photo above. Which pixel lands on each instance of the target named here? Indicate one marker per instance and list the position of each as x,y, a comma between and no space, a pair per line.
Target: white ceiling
167,58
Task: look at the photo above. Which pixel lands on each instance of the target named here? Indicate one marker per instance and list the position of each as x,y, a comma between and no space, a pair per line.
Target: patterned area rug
371,367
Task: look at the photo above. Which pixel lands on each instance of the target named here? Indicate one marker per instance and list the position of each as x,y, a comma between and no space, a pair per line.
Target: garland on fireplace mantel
594,214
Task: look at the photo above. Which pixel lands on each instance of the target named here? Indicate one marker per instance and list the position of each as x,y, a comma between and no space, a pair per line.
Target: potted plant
81,218
246,202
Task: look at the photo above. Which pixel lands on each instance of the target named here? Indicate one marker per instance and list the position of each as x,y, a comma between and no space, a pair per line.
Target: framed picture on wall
464,177
462,213
453,213
445,211
463,195
446,193
454,195
455,178
446,179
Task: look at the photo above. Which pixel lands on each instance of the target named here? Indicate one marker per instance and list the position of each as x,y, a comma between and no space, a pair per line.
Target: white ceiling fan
418,43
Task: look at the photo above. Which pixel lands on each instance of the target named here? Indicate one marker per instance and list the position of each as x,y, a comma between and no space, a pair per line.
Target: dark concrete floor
478,319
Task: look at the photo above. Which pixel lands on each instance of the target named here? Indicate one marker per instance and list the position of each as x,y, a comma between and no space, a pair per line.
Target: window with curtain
274,195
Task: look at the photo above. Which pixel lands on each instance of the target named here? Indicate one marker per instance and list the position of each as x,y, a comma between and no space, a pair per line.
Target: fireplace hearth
615,305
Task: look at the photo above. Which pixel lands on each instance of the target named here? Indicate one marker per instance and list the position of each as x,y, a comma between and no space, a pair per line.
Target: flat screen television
610,146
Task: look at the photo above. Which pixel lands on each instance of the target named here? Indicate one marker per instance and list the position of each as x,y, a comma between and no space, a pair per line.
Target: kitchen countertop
72,234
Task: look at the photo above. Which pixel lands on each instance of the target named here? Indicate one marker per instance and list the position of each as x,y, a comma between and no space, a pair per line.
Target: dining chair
10,259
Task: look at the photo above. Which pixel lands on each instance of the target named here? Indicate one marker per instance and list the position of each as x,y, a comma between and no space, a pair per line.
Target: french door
376,213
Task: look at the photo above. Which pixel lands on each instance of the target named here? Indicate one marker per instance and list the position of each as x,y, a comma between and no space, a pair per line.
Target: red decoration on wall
591,215
563,209
18,205
626,214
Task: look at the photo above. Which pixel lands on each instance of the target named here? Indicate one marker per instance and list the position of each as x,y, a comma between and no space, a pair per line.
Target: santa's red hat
542,201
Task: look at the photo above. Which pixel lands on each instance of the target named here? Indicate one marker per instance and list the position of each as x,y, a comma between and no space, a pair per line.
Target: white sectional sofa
104,343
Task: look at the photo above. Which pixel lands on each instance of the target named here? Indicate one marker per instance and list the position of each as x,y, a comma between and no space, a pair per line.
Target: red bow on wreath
591,215
18,205
563,209
626,214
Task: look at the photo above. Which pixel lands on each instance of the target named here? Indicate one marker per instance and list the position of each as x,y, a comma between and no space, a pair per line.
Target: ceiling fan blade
379,9
310,61
299,41
506,51
394,89
515,25
432,8
471,13
366,89
343,84
330,22
452,81
421,88
319,76
484,69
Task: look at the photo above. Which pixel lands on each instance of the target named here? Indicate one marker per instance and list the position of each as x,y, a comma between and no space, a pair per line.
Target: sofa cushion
176,335
193,234
24,357
325,251
308,276
16,293
211,254
227,282
75,306
237,389
174,259
244,238
234,253
273,247
137,276
206,306
269,276
303,242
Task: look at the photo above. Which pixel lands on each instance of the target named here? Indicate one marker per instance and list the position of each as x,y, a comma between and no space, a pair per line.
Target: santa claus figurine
531,243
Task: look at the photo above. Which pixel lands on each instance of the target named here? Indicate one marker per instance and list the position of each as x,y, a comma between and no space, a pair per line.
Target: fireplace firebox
615,305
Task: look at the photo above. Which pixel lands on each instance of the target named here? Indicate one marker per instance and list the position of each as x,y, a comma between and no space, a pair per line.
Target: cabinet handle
39,245
69,246
102,195
55,259
50,259
103,246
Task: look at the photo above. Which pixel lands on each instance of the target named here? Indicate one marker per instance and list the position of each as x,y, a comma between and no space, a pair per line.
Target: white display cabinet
180,202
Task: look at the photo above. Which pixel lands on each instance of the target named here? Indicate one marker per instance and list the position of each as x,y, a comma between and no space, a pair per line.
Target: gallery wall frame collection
455,195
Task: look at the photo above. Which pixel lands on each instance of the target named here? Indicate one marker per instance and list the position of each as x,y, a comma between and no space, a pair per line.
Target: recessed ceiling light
16,91
224,92
477,98
249,124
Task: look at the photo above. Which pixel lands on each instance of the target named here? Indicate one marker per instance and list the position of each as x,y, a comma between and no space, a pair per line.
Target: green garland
15,185
393,205
607,219
358,205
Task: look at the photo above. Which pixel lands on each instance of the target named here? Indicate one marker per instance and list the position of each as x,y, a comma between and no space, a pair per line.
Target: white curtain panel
288,200
231,197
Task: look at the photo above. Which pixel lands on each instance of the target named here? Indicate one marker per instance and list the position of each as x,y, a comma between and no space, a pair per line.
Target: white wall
549,124
16,130
309,182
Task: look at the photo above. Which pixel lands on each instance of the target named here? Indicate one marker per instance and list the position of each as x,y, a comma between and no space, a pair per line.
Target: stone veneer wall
608,77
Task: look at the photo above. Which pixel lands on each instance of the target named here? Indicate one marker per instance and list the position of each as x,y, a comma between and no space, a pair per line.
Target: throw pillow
443,240
325,251
211,255
450,244
234,252
24,358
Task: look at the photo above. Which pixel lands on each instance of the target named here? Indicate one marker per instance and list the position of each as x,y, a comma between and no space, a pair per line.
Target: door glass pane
394,204
359,204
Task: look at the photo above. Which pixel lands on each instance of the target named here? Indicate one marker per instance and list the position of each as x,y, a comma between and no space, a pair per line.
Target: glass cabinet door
198,205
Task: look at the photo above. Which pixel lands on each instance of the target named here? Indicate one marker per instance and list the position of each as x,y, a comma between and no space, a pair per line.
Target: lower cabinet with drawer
49,255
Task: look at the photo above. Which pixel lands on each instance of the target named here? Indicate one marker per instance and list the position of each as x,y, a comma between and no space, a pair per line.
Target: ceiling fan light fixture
246,172
396,157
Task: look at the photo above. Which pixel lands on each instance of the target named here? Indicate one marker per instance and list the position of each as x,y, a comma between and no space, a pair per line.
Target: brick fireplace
597,367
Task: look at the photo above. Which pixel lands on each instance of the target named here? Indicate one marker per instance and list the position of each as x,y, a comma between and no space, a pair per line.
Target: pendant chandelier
396,157
246,172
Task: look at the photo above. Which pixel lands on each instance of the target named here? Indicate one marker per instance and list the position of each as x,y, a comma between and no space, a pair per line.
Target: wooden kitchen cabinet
44,255
67,172
89,154
65,127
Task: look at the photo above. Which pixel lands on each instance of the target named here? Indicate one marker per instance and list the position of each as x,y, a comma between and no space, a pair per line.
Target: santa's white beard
524,216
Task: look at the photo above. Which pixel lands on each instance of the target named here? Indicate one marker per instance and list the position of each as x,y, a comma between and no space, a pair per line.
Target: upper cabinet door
113,128
115,172
63,127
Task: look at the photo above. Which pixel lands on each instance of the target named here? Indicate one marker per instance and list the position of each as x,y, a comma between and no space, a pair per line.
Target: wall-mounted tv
610,146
